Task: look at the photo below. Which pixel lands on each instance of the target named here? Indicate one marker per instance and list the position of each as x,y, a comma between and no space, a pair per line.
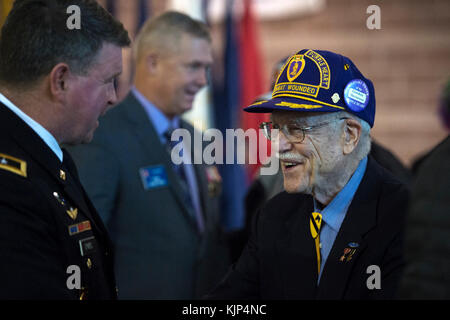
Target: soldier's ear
352,133
59,81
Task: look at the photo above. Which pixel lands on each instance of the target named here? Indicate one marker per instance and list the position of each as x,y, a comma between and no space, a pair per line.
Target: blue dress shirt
40,130
334,213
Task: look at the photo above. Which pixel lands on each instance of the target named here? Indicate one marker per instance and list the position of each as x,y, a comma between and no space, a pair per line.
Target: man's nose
281,143
112,97
202,77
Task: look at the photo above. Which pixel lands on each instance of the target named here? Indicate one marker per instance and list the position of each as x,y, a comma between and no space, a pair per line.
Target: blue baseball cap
320,81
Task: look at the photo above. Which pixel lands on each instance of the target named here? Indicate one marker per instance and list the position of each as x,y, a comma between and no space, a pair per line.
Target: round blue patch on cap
356,95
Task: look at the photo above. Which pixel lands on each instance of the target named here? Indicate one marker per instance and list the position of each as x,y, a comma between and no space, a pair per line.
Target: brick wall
408,61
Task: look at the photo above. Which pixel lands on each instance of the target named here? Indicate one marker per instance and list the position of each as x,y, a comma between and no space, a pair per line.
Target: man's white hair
364,144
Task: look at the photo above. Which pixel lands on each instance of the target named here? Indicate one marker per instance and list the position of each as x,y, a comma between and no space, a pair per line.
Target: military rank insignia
62,175
13,165
72,212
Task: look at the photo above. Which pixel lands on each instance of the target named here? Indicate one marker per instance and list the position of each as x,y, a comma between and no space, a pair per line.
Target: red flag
253,83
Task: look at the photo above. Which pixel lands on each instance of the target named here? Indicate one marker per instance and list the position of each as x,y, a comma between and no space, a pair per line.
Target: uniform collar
43,133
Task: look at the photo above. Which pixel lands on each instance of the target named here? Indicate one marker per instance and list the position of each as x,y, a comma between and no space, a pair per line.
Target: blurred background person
163,218
427,245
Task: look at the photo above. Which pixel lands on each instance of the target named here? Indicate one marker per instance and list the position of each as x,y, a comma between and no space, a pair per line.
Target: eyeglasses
292,132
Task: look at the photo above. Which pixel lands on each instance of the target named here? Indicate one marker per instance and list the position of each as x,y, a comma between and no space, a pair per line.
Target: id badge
154,177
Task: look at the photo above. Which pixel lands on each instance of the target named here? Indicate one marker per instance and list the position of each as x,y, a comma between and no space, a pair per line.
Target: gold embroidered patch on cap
297,105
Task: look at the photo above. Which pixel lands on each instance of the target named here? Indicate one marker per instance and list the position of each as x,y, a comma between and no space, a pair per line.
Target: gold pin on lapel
62,175
350,255
346,252
349,252
72,213
59,198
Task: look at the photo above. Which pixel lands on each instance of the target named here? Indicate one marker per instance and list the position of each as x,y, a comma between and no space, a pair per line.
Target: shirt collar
159,120
40,130
334,213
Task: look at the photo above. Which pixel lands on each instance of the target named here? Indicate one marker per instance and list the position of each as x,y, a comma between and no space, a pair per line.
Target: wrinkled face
315,161
182,74
91,95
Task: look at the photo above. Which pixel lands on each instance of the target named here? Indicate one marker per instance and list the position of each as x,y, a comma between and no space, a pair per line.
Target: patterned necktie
180,171
315,222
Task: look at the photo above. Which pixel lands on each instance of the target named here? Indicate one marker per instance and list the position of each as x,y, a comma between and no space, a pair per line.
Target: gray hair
364,144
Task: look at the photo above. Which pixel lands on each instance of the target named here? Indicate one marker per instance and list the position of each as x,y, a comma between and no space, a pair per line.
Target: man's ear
352,133
59,80
151,62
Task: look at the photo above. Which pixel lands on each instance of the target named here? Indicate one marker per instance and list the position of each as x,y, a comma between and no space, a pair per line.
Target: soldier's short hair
36,37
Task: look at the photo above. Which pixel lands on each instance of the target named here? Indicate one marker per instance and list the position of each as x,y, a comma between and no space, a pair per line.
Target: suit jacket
279,261
160,253
427,241
47,223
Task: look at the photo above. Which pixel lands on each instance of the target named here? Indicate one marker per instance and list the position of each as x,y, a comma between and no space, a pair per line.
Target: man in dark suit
336,231
54,84
163,218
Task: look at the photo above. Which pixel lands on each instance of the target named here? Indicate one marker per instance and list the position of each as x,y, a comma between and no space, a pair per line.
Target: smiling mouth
191,92
290,165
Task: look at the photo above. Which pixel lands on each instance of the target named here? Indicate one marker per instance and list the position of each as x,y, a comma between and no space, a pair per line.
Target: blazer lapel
148,138
349,243
296,252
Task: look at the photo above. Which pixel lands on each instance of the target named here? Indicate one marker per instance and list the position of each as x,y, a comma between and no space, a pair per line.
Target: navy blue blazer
279,260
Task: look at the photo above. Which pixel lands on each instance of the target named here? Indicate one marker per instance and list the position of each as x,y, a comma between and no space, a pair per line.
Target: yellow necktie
315,221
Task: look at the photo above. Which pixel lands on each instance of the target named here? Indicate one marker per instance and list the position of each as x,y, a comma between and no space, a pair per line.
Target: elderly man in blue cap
336,232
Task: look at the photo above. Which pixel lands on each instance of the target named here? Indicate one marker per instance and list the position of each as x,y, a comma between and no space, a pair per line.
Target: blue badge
154,177
356,95
353,245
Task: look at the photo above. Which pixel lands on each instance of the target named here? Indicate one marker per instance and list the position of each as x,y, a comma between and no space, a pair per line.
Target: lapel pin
72,213
62,175
60,200
353,245
214,181
344,255
350,255
349,252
